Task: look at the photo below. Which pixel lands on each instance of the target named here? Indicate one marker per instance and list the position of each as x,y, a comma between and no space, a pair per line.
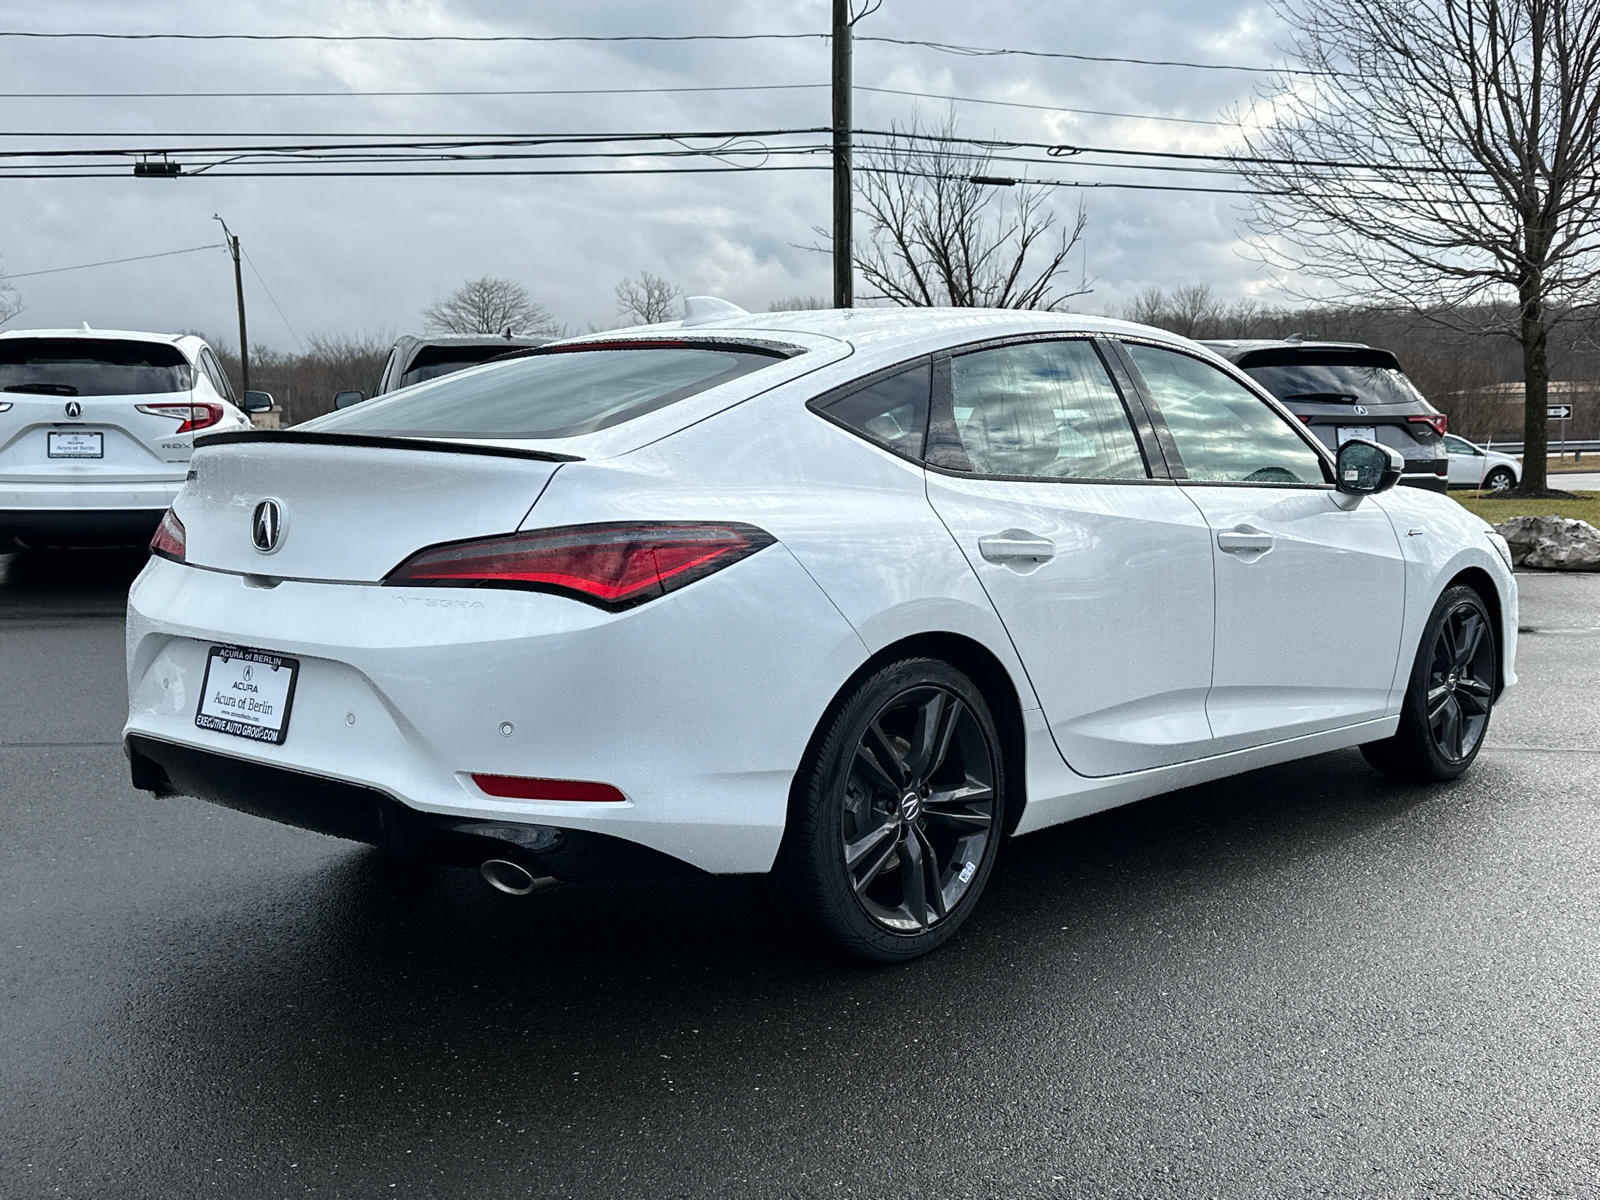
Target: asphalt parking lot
1305,981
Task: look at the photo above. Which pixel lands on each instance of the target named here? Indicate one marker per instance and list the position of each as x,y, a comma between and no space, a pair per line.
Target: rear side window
92,367
551,394
1045,409
1223,432
892,412
215,373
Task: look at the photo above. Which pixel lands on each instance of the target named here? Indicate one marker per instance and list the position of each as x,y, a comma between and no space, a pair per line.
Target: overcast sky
354,255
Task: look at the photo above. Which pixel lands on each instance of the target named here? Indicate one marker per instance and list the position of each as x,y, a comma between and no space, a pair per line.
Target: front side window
92,367
891,411
1045,409
1224,433
549,394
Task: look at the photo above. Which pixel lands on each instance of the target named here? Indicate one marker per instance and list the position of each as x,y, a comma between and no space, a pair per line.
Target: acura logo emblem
74,409
266,526
1360,410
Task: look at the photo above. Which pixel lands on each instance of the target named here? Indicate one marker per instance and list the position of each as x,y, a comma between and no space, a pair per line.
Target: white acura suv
843,597
96,428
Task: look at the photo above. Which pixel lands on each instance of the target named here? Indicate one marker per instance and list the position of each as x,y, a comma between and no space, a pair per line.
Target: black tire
1449,697
1499,479
906,778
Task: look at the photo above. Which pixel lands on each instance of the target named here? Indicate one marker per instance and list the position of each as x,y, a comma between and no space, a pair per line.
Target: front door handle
1244,541
1014,545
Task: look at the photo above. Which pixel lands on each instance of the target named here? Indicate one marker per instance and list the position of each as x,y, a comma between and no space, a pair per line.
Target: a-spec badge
74,409
266,526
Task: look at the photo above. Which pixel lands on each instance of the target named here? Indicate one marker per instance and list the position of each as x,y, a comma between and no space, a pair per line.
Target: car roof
893,334
83,331
1234,349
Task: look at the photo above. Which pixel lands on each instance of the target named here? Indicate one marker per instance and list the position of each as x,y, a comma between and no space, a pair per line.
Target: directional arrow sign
1558,412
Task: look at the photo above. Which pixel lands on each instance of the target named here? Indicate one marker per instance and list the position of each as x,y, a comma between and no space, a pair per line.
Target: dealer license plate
1365,432
247,693
75,443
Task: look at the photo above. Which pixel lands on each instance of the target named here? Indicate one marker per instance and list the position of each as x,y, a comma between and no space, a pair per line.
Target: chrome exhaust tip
512,878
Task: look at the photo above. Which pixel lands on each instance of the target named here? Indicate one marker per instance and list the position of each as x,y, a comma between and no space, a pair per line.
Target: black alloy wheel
896,817
1499,480
1449,697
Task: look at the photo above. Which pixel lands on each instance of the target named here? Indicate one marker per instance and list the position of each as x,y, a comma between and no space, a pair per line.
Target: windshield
92,367
1336,383
550,394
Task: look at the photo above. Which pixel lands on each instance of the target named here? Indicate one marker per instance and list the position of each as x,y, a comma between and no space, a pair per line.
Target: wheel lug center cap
910,807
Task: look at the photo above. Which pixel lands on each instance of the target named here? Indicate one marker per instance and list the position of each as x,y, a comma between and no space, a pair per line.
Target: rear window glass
549,394
92,367
1369,377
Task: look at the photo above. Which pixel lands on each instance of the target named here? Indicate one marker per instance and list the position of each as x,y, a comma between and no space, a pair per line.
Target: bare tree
1444,157
648,300
489,305
10,301
938,236
799,304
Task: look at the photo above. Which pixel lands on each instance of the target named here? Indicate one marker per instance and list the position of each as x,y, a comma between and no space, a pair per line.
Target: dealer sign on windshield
247,693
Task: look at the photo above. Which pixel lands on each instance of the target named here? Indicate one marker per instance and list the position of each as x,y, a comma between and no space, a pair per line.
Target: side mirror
1366,468
256,402
346,399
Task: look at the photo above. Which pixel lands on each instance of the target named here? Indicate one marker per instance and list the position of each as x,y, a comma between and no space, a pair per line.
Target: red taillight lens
610,566
168,541
520,787
1438,422
193,415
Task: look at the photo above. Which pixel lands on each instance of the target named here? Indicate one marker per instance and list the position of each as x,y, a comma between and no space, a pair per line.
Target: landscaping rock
1553,543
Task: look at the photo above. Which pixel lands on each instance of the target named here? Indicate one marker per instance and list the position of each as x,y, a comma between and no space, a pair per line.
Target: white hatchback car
846,597
96,428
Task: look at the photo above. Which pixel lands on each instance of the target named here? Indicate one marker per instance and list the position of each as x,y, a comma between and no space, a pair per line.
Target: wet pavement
1305,981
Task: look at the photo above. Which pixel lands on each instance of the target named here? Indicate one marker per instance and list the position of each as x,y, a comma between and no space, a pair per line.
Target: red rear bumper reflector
520,787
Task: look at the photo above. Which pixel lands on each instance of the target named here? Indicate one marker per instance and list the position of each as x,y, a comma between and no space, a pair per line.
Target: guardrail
1589,446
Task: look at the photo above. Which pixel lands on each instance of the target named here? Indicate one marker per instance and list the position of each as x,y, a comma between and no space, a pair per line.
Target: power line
111,261
991,51
273,298
942,47
406,37
491,92
1093,112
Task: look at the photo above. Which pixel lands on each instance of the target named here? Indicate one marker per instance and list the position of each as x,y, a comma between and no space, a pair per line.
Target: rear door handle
1239,541
1015,544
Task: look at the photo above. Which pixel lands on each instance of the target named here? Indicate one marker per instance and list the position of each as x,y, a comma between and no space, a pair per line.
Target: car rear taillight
168,541
612,566
193,414
520,787
1438,422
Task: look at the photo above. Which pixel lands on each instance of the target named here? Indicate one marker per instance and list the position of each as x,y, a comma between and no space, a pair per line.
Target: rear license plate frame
244,702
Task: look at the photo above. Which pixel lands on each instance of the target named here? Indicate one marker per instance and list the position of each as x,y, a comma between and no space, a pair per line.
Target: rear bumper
1427,480
128,525
363,814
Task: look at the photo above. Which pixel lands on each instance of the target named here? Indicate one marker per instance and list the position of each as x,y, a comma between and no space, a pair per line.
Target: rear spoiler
309,438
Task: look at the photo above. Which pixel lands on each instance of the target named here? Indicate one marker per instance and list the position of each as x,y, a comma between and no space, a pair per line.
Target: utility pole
238,288
843,267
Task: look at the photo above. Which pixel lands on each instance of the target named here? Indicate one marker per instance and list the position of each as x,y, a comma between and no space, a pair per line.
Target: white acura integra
846,597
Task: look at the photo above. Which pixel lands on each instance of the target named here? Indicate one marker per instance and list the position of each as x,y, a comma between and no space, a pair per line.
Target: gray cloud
365,254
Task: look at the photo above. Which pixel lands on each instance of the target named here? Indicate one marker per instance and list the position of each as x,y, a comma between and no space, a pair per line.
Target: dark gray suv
1345,390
